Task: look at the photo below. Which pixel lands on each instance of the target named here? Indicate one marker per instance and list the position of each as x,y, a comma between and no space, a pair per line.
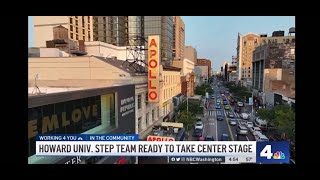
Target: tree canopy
187,119
281,117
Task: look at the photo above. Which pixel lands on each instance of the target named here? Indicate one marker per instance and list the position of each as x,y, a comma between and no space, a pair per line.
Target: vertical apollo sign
153,68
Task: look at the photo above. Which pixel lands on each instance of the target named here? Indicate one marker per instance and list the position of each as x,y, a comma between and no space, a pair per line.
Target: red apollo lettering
153,43
153,63
150,85
153,53
152,95
150,75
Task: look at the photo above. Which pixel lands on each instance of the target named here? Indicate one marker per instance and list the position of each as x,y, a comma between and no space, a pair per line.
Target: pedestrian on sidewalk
201,138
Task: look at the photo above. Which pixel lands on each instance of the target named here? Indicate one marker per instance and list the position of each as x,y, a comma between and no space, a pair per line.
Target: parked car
240,104
242,130
260,137
232,122
254,130
199,125
249,124
218,107
227,107
230,114
225,137
244,116
197,133
219,117
209,138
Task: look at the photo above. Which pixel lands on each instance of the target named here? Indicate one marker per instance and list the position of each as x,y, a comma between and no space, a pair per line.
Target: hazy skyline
215,37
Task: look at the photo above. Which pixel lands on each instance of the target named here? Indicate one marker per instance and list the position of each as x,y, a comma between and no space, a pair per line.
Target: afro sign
153,68
159,138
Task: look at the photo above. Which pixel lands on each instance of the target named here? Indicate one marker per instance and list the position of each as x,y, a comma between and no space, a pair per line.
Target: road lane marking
216,127
231,134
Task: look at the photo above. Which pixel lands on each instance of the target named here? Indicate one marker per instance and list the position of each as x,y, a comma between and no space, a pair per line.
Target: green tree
201,90
187,119
282,118
194,108
266,114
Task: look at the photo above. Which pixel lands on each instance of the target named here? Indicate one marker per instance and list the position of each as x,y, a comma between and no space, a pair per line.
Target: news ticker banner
179,152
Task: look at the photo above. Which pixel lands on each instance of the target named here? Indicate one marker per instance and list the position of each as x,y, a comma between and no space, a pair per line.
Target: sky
215,37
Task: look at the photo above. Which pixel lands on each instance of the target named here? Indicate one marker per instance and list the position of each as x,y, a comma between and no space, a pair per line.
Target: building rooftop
125,66
171,68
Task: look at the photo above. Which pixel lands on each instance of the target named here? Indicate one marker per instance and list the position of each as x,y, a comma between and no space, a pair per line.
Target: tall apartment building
79,28
136,29
190,53
245,48
178,38
205,62
162,26
111,29
117,30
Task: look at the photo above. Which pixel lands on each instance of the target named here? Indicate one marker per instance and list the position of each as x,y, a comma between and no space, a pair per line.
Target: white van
244,116
262,124
260,137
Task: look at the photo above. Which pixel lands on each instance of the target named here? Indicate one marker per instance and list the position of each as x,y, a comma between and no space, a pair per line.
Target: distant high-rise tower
246,46
178,38
111,29
162,26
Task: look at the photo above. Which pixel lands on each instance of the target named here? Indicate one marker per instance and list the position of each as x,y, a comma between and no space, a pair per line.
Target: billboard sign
153,68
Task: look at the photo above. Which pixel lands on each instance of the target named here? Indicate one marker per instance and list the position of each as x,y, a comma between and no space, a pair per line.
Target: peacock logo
279,155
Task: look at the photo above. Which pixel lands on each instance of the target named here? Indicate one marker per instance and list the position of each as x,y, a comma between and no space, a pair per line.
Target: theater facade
109,110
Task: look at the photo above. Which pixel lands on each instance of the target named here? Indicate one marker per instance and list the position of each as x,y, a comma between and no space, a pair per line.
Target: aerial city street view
180,78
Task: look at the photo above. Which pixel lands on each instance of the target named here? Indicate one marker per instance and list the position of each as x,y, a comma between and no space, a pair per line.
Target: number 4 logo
266,152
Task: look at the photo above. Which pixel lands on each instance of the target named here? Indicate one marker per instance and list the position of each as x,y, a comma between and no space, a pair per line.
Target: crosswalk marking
211,113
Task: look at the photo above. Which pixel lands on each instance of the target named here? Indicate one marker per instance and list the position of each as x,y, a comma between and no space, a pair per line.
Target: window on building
77,37
83,38
89,37
146,98
76,22
82,17
76,17
248,75
88,19
88,26
71,35
83,32
147,119
152,114
249,67
104,19
71,21
77,29
71,28
139,124
139,101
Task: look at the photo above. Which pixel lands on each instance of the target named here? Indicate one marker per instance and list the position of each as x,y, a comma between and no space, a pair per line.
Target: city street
215,128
